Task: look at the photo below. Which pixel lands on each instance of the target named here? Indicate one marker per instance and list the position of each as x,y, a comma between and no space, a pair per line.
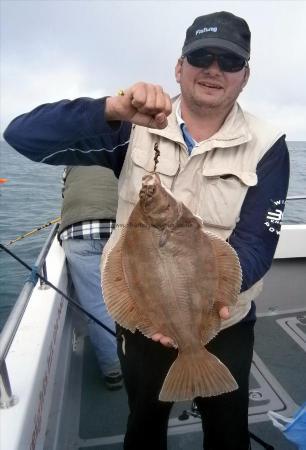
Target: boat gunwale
11,326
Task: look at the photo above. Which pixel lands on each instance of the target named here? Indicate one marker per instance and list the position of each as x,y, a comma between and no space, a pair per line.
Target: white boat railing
296,197
10,328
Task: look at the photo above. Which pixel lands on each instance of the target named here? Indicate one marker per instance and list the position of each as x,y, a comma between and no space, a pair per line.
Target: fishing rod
35,230
33,270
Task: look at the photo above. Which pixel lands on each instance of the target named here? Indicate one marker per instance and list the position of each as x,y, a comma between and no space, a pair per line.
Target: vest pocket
140,164
223,192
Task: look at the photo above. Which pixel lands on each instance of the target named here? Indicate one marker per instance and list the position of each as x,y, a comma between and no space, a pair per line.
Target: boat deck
94,418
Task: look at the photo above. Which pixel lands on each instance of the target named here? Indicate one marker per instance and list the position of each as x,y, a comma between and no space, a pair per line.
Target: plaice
166,275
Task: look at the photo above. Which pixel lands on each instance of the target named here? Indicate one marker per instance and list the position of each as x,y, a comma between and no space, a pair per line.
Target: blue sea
32,197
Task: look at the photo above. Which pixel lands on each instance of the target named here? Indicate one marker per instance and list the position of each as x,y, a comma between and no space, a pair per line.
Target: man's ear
178,70
246,76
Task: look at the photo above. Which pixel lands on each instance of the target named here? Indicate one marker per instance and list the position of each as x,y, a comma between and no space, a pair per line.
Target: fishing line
36,275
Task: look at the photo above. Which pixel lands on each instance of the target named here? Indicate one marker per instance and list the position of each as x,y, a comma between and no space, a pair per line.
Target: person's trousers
83,256
145,364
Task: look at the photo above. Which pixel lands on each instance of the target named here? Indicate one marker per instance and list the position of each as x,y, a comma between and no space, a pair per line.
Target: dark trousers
145,364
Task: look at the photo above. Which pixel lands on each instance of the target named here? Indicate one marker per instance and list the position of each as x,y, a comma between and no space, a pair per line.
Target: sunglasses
227,62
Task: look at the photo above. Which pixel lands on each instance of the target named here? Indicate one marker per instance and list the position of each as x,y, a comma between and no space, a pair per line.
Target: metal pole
296,197
43,285
7,399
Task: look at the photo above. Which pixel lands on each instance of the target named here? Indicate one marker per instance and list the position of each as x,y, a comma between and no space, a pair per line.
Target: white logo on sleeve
274,217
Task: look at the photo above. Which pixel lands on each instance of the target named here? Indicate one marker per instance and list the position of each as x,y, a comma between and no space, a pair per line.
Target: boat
52,393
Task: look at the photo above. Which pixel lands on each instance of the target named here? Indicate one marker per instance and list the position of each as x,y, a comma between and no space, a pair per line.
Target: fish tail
198,375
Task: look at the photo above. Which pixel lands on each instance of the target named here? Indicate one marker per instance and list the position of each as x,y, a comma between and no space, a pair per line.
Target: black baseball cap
221,30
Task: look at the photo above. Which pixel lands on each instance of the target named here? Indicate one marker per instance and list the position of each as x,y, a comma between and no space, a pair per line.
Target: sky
55,49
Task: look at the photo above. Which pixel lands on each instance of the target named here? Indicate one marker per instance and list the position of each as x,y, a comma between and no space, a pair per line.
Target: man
227,166
87,219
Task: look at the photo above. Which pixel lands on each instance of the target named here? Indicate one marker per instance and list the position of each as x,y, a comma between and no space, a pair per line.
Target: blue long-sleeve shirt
75,133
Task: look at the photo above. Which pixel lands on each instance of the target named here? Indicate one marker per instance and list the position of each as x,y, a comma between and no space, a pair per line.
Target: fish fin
146,327
210,327
197,375
118,300
230,275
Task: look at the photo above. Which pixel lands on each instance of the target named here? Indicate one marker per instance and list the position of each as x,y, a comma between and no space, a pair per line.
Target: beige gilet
212,182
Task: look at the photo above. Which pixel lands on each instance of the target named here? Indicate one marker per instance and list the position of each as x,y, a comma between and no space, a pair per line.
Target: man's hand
142,104
223,311
168,342
164,340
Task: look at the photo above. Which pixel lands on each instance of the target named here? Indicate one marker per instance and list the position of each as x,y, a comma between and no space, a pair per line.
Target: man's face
209,88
